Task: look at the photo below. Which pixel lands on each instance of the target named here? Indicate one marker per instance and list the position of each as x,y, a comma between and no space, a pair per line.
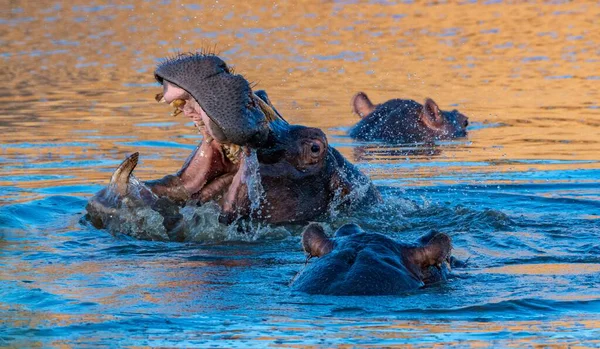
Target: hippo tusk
270,114
120,178
176,104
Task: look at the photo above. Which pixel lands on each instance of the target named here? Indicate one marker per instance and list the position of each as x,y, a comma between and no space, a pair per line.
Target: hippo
355,262
251,161
405,121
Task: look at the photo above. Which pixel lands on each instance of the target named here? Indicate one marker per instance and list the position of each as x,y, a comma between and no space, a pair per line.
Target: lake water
520,196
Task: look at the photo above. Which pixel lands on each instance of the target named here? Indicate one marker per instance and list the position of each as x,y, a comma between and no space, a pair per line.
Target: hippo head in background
405,121
250,161
358,263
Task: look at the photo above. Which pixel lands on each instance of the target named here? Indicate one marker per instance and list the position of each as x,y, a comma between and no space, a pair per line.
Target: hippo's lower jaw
213,172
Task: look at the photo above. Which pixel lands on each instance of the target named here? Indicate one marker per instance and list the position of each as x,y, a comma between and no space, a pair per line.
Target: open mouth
216,169
242,134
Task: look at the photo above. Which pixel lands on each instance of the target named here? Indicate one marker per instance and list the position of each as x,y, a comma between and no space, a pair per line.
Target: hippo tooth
177,103
200,127
232,152
160,98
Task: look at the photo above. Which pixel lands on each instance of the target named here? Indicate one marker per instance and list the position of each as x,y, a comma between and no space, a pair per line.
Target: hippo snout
214,98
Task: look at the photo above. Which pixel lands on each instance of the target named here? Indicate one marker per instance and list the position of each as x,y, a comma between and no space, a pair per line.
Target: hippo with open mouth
245,139
405,121
358,263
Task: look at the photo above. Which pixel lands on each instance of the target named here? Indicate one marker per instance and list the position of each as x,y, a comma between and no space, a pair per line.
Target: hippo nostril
315,148
466,123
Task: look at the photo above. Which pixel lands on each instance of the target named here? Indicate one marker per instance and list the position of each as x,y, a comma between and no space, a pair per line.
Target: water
520,196
253,181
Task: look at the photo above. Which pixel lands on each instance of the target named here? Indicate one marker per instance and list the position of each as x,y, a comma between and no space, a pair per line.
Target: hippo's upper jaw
207,91
359,263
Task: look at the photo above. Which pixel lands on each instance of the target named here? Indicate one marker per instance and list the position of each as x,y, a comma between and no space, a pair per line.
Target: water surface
520,196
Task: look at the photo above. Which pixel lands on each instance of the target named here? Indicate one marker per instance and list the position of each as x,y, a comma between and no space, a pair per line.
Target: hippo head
251,161
399,120
358,263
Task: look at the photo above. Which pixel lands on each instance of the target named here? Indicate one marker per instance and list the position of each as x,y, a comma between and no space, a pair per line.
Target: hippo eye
312,151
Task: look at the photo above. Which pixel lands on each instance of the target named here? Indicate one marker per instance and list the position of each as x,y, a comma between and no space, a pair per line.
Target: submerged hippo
405,121
358,263
251,161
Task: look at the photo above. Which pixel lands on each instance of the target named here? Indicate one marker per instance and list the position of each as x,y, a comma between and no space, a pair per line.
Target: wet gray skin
405,121
358,263
301,174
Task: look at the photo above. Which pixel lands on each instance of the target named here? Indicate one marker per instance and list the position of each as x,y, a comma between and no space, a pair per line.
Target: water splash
251,177
139,222
202,223
252,228
135,218
130,215
352,200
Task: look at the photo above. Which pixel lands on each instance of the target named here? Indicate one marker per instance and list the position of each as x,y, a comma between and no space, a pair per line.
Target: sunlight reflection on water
520,196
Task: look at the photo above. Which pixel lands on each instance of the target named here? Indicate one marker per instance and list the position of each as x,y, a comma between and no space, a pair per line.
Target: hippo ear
431,115
120,178
267,107
262,94
436,251
362,104
314,241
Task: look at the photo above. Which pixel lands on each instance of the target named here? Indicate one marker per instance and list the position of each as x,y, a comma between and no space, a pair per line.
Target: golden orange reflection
79,84
544,269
